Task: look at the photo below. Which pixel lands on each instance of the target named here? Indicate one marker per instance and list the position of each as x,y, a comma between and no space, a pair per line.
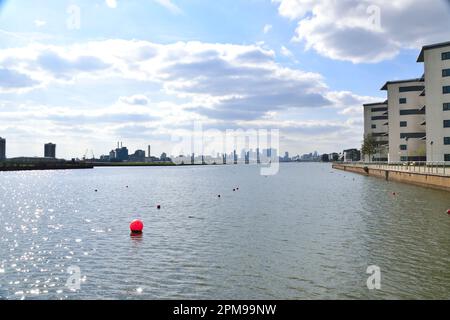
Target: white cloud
111,3
295,9
267,28
169,5
39,23
224,85
367,31
14,81
286,52
138,99
221,81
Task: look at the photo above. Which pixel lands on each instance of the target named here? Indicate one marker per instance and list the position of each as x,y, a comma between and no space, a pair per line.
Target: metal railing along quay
435,168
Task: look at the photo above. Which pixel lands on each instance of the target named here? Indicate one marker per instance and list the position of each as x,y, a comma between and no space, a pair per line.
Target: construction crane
86,155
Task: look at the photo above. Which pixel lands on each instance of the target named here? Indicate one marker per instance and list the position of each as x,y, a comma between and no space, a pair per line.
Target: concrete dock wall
421,179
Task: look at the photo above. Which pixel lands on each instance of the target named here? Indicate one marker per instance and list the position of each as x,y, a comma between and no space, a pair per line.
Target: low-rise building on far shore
2,148
352,155
50,150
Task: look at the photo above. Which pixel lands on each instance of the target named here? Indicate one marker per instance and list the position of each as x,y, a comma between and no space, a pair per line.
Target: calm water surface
307,233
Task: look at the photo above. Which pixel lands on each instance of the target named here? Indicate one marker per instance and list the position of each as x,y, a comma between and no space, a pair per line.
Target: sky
85,74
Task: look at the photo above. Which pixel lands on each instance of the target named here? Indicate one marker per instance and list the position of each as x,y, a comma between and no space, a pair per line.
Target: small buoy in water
136,226
219,196
96,190
158,206
237,188
448,211
234,189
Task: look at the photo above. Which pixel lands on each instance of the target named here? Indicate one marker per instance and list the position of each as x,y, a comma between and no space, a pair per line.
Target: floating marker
219,196
96,190
158,206
136,226
448,211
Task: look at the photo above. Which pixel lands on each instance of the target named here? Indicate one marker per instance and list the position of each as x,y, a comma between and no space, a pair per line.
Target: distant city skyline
85,73
123,153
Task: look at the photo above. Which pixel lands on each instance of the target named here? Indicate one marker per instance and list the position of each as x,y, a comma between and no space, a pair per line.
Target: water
307,233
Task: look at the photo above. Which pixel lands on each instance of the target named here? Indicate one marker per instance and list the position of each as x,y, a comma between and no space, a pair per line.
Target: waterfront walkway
429,168
436,175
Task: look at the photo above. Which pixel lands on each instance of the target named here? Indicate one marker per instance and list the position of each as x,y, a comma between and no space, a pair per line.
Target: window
446,90
446,141
411,88
446,56
408,112
380,118
446,123
446,107
379,134
403,147
403,124
379,109
402,101
415,135
446,157
446,73
374,126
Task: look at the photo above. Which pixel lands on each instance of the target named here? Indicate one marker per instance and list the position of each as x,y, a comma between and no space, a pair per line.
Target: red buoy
448,211
136,226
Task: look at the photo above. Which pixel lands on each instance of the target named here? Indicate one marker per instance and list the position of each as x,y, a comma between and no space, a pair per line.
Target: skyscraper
2,149
50,150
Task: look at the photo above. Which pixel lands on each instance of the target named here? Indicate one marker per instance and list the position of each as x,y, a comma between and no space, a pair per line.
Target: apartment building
407,124
376,125
418,112
436,59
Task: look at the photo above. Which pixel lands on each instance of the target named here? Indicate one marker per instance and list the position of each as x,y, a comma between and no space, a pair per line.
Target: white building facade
407,129
376,125
418,112
436,59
